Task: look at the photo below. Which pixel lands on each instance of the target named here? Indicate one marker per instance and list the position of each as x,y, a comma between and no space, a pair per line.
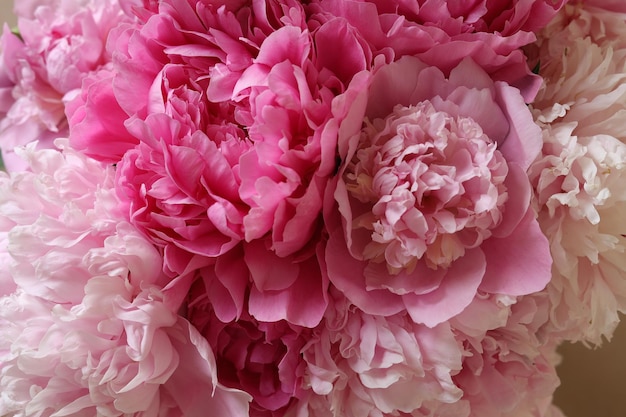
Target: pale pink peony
32,110
508,369
59,43
578,178
432,198
52,216
120,351
364,365
90,327
116,353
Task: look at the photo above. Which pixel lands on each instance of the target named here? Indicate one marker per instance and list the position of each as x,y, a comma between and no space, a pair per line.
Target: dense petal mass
442,34
508,367
577,179
504,17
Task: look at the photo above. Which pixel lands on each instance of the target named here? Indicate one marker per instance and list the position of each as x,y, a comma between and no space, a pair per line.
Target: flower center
424,185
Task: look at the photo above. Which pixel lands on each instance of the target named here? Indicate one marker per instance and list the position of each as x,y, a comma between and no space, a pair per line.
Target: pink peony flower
90,328
287,108
58,44
52,215
32,110
502,17
577,179
282,92
432,198
269,123
118,352
292,288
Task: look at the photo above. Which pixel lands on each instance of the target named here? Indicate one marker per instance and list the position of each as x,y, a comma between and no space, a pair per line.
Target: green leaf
537,67
16,32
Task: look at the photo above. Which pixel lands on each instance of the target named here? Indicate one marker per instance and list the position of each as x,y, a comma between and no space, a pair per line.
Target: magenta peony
253,127
96,120
432,199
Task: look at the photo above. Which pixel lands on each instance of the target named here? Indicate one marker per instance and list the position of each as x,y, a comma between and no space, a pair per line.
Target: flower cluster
318,209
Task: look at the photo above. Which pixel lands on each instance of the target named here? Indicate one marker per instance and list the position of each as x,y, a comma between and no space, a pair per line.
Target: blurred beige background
593,381
5,11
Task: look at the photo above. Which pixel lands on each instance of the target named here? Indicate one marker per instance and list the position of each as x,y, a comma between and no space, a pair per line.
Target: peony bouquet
348,208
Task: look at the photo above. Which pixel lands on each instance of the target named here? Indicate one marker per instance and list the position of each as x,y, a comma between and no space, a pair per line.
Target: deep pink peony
258,106
96,120
432,198
250,279
59,43
260,68
287,108
181,185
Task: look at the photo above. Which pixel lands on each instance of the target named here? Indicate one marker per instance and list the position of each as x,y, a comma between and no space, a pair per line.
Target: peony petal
520,263
302,303
454,294
516,207
268,271
348,275
524,141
